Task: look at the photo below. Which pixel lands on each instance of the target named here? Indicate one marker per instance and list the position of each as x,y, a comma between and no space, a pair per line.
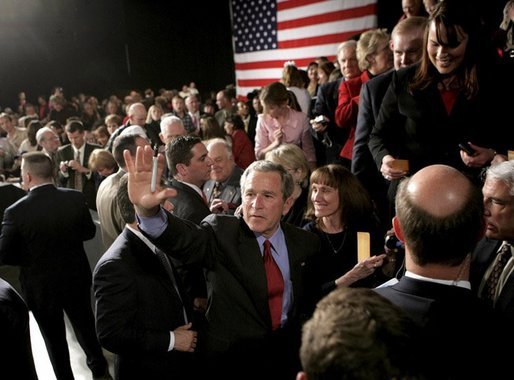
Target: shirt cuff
153,226
172,341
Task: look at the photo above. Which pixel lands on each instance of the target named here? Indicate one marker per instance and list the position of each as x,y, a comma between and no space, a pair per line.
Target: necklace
334,250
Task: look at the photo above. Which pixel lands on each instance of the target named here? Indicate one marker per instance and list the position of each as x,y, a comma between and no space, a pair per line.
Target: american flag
268,33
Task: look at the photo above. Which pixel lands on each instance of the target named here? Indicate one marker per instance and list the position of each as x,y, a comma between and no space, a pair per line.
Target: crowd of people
245,237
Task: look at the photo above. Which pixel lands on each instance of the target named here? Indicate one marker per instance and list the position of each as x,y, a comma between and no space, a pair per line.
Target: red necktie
275,286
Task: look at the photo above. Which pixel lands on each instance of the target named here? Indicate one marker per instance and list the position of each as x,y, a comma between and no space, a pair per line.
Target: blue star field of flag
255,25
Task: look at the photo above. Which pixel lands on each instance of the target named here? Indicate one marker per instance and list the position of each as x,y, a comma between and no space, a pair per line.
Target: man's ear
181,169
398,229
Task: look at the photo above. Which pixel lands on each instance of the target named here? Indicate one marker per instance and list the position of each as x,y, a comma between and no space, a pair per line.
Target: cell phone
467,148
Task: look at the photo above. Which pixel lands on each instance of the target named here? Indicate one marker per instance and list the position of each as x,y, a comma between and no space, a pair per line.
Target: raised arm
145,202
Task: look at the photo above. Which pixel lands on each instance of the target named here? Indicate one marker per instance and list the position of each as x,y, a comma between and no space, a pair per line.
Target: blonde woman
291,157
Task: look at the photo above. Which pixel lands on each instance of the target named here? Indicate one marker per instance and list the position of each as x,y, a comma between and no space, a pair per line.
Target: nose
316,195
257,202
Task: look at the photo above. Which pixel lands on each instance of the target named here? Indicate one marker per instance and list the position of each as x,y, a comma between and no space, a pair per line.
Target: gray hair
169,120
41,132
504,171
220,141
348,43
266,167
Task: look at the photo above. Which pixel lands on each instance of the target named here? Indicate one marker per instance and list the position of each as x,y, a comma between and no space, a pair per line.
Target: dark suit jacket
460,336
8,195
16,360
239,333
371,96
481,258
188,204
416,126
65,153
136,308
326,104
43,233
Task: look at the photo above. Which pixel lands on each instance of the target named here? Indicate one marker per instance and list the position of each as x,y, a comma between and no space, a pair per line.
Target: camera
392,243
321,120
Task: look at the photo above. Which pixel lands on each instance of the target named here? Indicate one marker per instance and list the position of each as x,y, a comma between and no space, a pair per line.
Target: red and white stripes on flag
267,33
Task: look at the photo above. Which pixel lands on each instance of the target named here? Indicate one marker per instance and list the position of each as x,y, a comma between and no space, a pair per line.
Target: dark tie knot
506,251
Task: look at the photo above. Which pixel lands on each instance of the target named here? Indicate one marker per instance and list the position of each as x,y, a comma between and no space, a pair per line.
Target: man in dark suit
439,217
43,233
406,44
73,161
190,166
223,189
9,194
140,310
498,196
16,361
251,333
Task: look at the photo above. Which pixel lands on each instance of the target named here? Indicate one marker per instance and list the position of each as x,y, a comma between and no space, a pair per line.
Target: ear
398,229
391,45
162,138
181,169
301,376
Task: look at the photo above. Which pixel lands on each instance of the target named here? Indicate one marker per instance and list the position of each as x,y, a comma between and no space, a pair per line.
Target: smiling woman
451,97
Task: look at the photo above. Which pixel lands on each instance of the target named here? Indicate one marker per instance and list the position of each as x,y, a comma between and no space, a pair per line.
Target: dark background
101,47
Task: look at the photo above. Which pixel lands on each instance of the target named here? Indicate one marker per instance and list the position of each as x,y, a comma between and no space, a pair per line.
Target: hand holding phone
467,148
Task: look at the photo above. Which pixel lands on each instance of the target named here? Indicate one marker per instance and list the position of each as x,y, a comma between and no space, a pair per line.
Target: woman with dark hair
242,148
30,143
451,97
339,207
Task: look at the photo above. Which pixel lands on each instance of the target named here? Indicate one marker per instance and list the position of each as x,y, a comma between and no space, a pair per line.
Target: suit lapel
149,259
253,275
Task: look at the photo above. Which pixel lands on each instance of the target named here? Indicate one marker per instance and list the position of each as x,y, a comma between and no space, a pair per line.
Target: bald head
440,214
137,114
439,190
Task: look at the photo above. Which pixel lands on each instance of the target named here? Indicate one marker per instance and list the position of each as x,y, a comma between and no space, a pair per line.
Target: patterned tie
78,176
489,291
216,190
275,283
169,269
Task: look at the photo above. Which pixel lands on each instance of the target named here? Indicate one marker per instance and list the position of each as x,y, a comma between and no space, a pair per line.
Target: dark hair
210,128
39,165
355,333
179,151
236,121
274,94
451,15
354,201
121,143
74,126
32,128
